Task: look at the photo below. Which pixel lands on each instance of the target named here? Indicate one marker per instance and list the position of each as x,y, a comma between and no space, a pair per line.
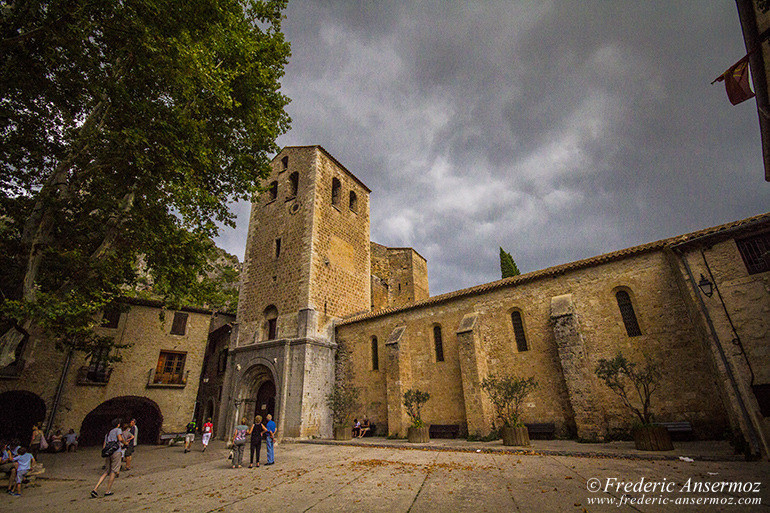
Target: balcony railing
89,376
167,380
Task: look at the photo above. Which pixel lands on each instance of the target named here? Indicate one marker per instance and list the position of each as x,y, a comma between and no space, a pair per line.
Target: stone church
697,304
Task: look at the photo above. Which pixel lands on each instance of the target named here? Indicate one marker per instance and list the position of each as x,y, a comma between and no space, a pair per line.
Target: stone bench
169,438
444,430
541,430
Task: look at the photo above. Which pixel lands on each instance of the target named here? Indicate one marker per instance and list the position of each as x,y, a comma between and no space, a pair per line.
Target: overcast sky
557,130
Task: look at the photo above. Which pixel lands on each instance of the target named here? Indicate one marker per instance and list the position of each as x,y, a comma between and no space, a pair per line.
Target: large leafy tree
126,129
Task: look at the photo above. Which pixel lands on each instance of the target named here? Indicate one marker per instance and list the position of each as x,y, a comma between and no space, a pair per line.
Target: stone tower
307,264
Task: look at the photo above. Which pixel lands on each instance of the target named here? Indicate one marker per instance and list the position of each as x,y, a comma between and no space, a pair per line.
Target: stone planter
418,435
652,438
343,433
514,435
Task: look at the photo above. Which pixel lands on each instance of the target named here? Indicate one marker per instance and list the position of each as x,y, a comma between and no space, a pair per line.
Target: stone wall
564,369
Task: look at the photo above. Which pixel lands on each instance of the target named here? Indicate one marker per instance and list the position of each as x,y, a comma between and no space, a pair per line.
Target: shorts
189,438
129,450
20,475
206,438
113,462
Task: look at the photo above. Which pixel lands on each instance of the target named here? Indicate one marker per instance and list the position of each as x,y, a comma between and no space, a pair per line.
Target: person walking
113,456
208,429
256,431
189,436
133,432
239,440
270,428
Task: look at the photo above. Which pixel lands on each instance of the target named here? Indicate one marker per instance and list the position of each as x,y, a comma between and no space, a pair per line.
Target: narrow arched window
353,202
293,184
375,355
271,322
285,163
627,312
273,191
518,331
438,343
336,186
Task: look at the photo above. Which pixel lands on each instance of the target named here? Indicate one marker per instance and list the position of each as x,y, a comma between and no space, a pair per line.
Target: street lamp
706,286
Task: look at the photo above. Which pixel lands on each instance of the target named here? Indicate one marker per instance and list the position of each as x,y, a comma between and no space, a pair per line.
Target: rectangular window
438,343
222,363
179,327
110,319
170,369
271,329
98,366
755,252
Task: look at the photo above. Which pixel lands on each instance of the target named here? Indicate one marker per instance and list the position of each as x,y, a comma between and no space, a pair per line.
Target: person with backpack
113,457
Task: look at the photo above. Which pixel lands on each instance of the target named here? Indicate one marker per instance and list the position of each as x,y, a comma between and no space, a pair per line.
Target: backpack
109,449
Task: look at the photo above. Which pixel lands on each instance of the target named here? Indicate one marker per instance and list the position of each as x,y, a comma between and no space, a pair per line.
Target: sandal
108,494
94,495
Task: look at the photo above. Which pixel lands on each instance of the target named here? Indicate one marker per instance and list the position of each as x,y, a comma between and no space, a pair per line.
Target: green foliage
632,383
414,400
508,267
507,394
127,129
343,399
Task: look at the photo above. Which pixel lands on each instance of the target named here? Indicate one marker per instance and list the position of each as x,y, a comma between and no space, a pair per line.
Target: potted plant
635,386
413,402
343,399
507,394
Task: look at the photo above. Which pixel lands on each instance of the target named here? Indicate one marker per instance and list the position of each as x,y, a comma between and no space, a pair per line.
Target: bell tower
307,264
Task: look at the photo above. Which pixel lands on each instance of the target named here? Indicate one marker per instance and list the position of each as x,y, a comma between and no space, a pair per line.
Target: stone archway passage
265,400
19,411
146,412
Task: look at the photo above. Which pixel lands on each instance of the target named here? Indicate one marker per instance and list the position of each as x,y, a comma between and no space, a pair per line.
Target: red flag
736,80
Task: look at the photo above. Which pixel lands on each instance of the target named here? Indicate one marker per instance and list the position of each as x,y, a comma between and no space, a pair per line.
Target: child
22,463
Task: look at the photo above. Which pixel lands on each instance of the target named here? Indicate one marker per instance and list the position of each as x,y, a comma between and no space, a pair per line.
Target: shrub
414,401
507,394
632,383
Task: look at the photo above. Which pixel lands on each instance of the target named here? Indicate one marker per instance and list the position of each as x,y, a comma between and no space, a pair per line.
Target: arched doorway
19,411
265,399
256,395
146,412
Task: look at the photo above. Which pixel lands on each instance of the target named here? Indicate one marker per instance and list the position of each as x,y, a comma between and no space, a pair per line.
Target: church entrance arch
19,411
146,412
256,395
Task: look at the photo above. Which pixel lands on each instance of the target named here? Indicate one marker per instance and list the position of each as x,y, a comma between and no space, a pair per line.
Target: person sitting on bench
364,427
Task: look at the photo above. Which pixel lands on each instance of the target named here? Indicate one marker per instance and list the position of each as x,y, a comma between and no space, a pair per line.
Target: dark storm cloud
558,130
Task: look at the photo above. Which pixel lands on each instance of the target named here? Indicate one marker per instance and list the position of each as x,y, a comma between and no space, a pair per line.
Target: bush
507,394
633,384
414,401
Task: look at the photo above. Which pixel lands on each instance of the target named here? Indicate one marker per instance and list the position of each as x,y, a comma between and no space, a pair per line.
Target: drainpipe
751,432
59,389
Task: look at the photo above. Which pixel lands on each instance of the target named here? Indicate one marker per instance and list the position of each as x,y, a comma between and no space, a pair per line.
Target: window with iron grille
627,312
755,252
98,365
179,326
170,369
518,331
375,355
438,343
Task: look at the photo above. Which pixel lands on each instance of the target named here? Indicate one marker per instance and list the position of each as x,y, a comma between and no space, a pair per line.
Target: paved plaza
385,475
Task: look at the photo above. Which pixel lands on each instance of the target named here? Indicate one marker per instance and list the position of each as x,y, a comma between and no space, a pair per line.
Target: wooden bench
444,430
678,430
541,430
